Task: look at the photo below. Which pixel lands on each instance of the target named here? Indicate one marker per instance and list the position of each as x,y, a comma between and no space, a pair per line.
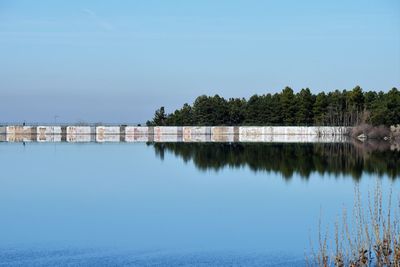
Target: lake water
178,204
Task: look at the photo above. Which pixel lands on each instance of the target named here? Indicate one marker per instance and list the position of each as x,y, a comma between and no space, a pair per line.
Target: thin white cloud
103,24
89,12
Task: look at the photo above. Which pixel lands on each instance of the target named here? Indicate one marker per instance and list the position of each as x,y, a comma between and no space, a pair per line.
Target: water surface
176,204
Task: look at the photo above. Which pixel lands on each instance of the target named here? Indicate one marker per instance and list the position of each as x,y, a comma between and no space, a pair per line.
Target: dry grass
371,132
370,238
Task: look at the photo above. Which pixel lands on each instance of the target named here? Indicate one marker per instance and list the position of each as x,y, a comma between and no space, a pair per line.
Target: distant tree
335,111
202,110
253,109
369,98
379,110
210,110
305,102
181,117
356,105
266,110
220,112
357,98
159,118
288,105
393,107
286,108
320,108
276,106
236,111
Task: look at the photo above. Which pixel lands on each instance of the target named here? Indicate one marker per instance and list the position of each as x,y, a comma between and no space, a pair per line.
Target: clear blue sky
117,61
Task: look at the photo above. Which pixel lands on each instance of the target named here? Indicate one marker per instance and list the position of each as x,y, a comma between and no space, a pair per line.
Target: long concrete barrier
108,133
126,133
196,134
136,134
167,130
80,130
48,138
222,130
19,133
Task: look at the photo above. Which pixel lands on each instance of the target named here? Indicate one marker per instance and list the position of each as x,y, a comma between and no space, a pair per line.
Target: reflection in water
289,158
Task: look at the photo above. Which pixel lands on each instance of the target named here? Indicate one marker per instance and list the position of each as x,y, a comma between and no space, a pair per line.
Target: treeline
288,159
337,108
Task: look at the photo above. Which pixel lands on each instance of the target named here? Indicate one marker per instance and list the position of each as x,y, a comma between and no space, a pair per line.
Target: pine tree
288,106
319,108
305,102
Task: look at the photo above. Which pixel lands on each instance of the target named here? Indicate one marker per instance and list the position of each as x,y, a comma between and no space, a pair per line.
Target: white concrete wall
48,138
251,131
167,138
104,130
175,134
108,138
136,134
196,133
197,138
19,133
136,130
222,138
79,138
48,130
222,130
19,130
108,134
167,130
131,138
196,130
302,138
303,130
79,130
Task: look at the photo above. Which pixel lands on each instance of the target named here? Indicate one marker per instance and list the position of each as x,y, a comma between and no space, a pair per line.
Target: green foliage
344,108
393,107
183,116
159,118
288,105
320,108
305,102
237,112
210,110
356,98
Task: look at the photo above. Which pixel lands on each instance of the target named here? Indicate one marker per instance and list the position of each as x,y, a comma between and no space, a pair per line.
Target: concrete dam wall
15,133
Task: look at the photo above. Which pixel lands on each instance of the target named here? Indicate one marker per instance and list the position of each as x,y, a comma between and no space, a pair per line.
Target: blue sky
117,61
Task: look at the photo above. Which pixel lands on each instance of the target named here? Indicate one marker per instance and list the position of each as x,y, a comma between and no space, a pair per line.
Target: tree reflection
336,159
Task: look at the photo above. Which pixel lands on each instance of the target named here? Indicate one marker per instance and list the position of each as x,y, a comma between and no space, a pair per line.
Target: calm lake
178,204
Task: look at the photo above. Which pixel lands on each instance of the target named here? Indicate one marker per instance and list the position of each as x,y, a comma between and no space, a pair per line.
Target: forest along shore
336,108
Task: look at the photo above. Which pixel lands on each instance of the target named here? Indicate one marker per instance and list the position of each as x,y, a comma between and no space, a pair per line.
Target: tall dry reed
370,238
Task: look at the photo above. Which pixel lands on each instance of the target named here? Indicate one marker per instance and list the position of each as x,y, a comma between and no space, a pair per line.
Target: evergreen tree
253,110
159,118
236,111
345,108
305,102
202,111
288,104
319,108
356,105
393,107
